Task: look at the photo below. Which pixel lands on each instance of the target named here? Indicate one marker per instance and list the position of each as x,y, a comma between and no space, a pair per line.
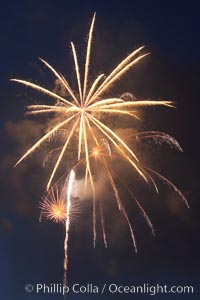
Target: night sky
32,252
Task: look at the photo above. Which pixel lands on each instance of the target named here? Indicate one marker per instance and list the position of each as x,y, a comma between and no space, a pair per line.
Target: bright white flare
67,224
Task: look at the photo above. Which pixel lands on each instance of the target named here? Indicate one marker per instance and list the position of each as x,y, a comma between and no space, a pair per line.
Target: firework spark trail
105,101
136,104
87,61
119,67
77,72
92,89
116,73
145,215
88,171
62,153
103,226
103,129
169,183
80,136
44,138
43,90
67,224
62,80
120,206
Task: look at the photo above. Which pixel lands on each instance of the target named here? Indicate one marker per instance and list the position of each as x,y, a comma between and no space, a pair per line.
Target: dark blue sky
32,251
31,28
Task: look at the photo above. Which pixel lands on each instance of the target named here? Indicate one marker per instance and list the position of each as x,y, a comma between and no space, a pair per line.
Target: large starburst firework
83,118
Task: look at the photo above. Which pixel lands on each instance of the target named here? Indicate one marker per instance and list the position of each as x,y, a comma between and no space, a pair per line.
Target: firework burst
82,118
53,206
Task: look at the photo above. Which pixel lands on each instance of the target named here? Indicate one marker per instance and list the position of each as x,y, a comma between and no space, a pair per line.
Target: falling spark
103,226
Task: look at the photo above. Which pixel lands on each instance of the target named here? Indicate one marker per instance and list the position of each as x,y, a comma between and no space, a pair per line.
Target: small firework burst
53,206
